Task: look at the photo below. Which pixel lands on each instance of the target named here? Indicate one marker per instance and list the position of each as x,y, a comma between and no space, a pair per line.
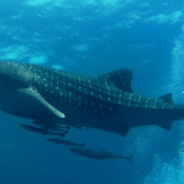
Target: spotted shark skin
106,103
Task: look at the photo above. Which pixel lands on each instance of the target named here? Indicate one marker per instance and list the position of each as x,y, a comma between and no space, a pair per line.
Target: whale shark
106,103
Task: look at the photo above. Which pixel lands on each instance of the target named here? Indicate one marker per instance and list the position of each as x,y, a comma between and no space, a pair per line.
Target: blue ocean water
92,37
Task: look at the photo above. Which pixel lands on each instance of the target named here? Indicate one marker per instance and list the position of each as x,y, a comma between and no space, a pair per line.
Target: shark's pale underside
106,103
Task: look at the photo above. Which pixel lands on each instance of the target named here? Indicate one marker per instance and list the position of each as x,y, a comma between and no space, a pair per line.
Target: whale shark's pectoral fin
36,95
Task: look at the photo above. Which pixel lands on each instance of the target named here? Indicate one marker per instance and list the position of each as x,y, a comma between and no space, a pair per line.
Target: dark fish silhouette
106,103
50,126
41,131
67,143
100,154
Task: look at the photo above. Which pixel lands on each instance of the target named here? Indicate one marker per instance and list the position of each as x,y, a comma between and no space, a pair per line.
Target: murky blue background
92,37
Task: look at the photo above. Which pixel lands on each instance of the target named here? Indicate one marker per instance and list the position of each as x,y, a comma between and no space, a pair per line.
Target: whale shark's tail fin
167,125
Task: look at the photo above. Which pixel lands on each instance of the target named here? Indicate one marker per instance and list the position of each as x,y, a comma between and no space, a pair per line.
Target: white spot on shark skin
92,92
130,96
79,87
155,104
69,84
57,87
139,99
100,96
110,108
147,100
109,93
119,101
70,93
109,99
103,114
45,85
79,104
61,94
163,105
44,79
79,97
92,103
51,92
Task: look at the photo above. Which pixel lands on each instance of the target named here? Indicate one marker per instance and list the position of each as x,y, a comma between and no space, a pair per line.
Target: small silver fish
41,131
100,154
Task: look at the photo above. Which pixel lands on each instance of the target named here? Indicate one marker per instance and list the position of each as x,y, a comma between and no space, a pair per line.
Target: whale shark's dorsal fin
36,95
167,98
119,79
